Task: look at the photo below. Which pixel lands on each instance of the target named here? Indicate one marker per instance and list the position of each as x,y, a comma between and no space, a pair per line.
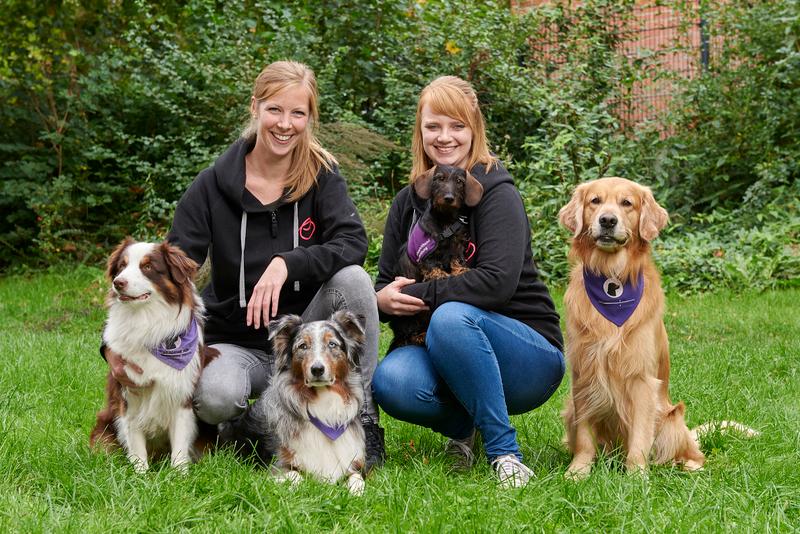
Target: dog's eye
460,180
147,267
595,200
332,344
627,203
302,346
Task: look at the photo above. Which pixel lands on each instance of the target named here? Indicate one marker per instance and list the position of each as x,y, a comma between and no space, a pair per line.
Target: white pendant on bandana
615,300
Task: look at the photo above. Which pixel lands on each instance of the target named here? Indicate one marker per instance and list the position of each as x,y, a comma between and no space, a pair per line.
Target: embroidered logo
470,251
307,229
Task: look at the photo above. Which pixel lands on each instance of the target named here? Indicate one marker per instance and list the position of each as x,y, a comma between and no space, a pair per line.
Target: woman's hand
117,364
264,301
393,302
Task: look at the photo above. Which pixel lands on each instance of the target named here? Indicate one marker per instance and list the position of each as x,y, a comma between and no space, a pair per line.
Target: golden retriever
617,345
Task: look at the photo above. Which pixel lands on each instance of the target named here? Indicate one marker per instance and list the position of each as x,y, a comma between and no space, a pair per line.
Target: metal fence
672,43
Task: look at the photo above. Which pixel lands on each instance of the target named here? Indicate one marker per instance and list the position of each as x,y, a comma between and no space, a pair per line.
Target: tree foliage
111,109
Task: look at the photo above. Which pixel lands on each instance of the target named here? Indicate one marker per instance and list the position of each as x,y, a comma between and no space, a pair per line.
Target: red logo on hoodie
307,229
470,251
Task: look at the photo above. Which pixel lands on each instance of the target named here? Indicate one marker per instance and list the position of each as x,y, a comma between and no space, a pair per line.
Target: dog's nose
120,283
449,199
608,221
317,370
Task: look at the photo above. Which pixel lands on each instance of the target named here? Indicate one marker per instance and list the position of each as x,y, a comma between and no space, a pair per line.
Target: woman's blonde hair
454,97
308,156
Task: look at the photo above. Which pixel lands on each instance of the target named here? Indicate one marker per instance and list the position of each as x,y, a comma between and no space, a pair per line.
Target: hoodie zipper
274,225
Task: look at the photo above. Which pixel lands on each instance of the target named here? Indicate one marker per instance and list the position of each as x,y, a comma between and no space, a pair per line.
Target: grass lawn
735,356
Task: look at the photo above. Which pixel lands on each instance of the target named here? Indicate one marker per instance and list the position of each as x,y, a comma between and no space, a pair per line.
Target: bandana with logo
182,350
614,300
421,244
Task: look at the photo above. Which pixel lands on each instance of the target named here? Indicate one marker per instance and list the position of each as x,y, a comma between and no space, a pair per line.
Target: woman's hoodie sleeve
191,225
344,240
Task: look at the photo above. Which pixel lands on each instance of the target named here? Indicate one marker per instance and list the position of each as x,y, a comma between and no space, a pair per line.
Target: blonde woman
284,237
494,345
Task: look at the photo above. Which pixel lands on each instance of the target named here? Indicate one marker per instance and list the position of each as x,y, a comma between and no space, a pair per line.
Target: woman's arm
191,224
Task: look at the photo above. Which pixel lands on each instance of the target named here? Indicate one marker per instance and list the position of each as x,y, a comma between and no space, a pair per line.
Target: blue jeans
476,369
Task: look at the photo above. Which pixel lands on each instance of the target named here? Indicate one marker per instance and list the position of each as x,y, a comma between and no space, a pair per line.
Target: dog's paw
292,477
181,464
692,466
578,470
637,470
140,465
355,483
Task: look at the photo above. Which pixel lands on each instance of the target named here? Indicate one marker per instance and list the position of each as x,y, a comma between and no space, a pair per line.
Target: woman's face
282,119
446,140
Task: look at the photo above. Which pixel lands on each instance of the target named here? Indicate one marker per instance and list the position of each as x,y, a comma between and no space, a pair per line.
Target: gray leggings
239,373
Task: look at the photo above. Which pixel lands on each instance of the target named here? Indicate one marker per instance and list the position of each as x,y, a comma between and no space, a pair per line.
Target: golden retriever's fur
620,375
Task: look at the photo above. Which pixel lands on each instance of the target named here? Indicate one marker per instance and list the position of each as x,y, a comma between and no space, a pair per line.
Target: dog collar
182,350
333,432
421,244
614,300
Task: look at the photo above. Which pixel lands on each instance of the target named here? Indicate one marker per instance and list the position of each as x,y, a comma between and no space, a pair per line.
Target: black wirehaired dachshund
438,243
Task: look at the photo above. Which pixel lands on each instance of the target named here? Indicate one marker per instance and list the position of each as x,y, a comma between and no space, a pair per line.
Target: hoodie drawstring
243,235
295,241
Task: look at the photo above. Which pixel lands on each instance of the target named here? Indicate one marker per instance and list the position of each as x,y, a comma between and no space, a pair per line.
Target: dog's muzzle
606,233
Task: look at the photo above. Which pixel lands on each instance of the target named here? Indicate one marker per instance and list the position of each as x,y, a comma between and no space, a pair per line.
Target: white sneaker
461,452
511,472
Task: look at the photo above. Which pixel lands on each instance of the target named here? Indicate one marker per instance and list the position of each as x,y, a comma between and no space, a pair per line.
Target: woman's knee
452,322
352,279
217,399
453,316
388,375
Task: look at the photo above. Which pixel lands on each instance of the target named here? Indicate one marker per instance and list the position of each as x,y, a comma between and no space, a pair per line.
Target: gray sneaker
511,472
460,450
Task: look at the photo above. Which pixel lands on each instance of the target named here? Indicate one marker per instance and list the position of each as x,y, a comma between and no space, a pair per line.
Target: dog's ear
281,334
181,267
653,218
351,329
422,183
112,267
473,191
571,215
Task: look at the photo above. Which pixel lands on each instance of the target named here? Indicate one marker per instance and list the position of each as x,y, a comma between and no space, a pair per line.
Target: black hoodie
316,236
502,275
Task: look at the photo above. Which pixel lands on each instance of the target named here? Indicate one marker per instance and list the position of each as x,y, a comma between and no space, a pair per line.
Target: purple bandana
333,432
179,355
420,244
614,300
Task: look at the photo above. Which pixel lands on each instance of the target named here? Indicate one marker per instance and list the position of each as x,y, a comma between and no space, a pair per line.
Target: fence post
704,44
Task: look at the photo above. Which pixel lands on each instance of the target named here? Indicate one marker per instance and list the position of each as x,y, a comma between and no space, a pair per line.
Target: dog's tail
723,426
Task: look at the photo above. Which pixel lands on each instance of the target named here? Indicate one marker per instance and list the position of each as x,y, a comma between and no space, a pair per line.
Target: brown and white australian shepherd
155,322
617,345
313,402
